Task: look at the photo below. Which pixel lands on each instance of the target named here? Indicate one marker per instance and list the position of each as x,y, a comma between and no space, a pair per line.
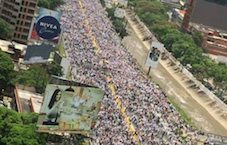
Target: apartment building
19,14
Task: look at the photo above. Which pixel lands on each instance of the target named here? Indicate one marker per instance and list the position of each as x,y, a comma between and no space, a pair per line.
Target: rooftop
210,13
28,99
4,46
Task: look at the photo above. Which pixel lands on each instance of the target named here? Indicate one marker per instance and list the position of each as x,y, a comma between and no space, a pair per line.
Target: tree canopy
38,76
118,23
54,68
6,31
35,76
50,4
198,38
6,69
19,129
186,48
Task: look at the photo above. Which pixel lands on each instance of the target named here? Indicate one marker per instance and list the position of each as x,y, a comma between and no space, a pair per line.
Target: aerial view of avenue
113,72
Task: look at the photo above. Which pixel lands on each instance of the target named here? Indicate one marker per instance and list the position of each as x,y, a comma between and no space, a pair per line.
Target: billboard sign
69,109
154,54
47,27
47,12
33,35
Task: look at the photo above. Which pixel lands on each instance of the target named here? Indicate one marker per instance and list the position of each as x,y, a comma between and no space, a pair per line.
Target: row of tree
118,23
186,48
36,76
50,4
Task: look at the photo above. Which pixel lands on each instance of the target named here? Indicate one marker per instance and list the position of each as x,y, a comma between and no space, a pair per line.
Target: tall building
208,17
19,14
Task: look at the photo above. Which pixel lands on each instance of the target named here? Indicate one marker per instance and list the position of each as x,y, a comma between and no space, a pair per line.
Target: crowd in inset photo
154,118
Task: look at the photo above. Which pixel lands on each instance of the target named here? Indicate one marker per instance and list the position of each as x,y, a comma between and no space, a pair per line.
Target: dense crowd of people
154,118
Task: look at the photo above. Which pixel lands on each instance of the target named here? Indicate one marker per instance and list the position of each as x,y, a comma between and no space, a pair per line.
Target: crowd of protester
154,118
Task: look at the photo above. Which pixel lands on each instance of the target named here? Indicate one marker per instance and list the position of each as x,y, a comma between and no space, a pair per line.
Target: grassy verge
183,114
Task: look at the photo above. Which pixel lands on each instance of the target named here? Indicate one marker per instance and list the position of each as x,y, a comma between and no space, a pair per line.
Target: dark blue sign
48,27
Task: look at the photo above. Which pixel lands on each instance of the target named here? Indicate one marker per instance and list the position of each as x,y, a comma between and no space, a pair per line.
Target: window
28,17
27,24
25,30
24,37
31,11
32,5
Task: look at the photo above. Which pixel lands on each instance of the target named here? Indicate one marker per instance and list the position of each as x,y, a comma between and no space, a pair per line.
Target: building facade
209,18
19,14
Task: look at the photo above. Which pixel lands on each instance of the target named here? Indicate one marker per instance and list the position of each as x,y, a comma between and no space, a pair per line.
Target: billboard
47,12
33,35
70,109
47,27
154,54
37,54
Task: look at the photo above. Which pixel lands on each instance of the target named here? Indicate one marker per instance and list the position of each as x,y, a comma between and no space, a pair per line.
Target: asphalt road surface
200,116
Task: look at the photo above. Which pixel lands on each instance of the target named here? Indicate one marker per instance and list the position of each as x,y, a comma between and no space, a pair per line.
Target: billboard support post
149,70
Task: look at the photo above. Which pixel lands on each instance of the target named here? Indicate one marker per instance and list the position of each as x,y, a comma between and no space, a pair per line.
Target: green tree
220,78
120,27
186,52
118,23
5,31
150,12
198,38
102,3
170,38
186,48
110,12
6,70
54,68
55,3
50,4
162,30
150,7
35,76
202,68
19,129
44,3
